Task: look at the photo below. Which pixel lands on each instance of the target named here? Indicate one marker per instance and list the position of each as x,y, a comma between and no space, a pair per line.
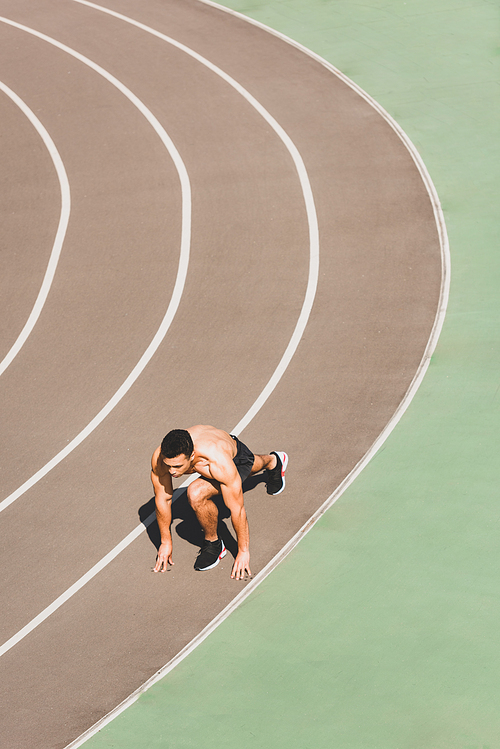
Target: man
223,463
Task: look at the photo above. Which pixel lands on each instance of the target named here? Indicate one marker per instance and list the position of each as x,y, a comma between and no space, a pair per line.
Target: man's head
176,451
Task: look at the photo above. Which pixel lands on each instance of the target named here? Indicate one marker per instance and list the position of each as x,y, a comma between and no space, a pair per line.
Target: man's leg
213,550
264,463
199,495
275,466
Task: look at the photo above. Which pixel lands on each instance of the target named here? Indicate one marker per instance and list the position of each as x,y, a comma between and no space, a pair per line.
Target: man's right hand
164,557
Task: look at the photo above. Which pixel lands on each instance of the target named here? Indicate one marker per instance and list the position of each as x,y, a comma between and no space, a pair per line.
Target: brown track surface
380,274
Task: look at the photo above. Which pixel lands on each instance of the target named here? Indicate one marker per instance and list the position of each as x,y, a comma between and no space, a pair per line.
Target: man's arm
232,493
162,485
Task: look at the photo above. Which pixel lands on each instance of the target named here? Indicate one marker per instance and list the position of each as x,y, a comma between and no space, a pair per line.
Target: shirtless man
223,463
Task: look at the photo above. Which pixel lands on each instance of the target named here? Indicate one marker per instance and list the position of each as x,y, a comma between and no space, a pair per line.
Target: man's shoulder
200,433
156,463
216,444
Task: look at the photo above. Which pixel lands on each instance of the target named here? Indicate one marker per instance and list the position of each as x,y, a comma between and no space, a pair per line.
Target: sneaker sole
284,462
211,566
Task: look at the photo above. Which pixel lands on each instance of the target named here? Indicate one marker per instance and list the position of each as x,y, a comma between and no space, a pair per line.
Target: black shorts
243,460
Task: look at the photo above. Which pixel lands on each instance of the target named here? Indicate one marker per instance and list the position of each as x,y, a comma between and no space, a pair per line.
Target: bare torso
211,445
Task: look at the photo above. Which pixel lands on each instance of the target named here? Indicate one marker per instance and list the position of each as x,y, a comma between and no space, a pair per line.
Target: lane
377,296
312,218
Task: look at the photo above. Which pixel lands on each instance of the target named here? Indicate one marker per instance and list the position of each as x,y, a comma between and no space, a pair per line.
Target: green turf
380,631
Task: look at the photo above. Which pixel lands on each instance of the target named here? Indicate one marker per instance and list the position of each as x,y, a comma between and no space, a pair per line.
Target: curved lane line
312,219
60,234
419,163
407,398
276,376
179,281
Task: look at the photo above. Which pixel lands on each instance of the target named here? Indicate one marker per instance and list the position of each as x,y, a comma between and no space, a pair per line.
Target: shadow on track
188,528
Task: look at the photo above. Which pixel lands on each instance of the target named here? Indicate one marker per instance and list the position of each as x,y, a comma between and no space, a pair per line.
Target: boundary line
60,234
392,423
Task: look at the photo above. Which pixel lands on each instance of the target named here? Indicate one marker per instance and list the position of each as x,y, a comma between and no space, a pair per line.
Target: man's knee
199,492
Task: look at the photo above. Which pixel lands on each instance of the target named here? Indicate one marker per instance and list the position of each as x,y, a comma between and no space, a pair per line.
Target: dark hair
177,442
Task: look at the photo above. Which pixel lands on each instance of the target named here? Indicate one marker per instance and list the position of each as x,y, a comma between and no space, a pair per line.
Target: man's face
178,466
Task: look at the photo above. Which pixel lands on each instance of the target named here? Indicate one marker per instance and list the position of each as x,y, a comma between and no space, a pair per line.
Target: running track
381,628
234,162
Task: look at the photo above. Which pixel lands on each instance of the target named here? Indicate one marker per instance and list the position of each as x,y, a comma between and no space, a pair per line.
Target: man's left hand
241,566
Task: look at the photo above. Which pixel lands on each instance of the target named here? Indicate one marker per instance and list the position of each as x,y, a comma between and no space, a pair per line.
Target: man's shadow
189,528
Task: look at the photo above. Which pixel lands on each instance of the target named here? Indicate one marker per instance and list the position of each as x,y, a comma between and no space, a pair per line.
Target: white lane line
181,271
444,291
280,369
419,163
70,592
308,200
51,608
61,229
